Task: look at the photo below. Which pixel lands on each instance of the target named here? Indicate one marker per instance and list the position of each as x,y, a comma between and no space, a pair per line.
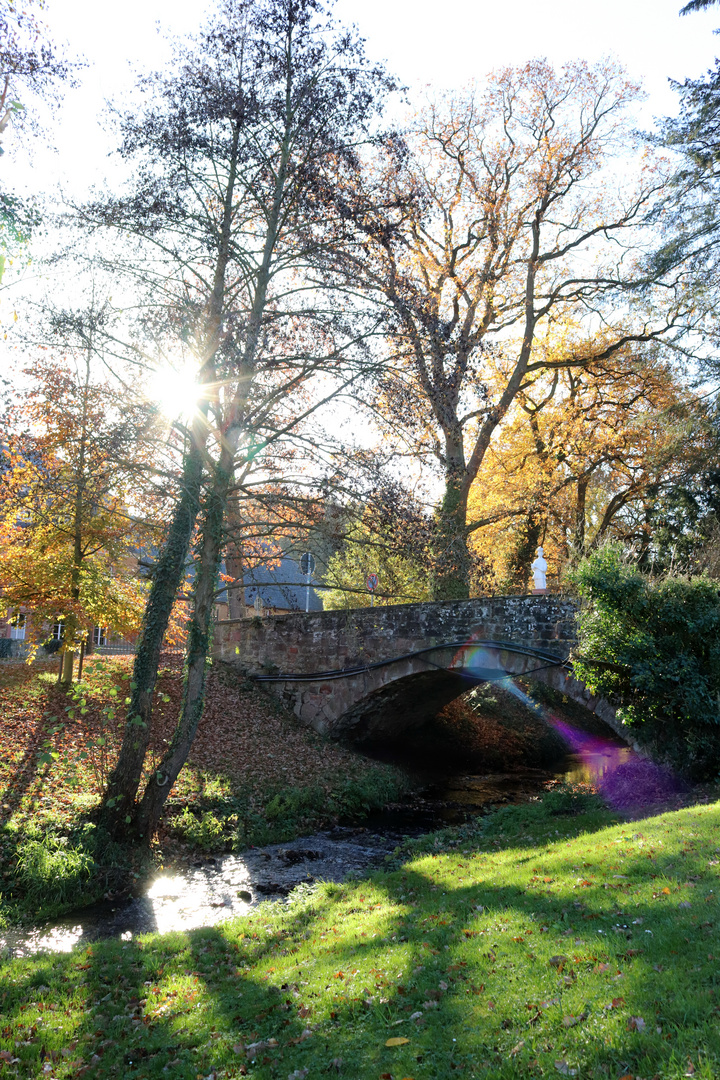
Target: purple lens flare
626,781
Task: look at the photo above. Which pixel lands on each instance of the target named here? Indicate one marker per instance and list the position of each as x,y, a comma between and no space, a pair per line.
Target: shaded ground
487,730
254,775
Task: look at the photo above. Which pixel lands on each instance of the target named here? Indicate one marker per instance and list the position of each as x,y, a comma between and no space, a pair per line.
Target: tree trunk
125,778
67,666
123,783
580,503
160,784
527,537
233,563
450,579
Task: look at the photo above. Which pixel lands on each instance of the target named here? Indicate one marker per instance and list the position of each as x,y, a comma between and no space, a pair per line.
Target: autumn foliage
71,525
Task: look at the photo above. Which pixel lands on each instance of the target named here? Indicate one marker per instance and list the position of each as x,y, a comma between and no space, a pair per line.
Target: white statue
539,569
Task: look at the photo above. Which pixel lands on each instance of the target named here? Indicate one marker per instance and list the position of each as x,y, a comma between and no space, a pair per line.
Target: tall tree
232,150
71,522
584,455
512,230
31,67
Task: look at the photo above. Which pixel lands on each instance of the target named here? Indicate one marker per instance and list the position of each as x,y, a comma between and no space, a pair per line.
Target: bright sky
445,44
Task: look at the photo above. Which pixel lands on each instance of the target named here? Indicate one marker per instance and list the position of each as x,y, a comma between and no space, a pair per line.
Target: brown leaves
573,1021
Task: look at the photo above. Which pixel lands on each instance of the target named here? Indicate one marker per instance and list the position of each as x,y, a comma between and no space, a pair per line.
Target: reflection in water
592,757
627,782
592,765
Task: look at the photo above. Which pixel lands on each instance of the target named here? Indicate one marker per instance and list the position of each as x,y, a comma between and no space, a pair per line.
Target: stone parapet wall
323,641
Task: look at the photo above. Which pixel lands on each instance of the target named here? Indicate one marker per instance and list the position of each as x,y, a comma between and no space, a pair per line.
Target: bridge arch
378,671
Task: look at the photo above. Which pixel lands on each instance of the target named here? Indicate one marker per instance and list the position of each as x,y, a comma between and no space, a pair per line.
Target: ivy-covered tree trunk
451,555
169,573
527,539
580,515
124,781
160,784
307,107
70,627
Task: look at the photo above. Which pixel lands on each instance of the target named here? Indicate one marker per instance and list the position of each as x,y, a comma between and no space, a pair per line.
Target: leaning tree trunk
119,801
160,784
216,501
169,573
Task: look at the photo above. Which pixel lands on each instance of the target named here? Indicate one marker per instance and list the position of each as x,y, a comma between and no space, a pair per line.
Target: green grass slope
535,942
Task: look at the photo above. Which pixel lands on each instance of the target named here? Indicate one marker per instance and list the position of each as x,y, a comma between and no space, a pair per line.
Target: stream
211,890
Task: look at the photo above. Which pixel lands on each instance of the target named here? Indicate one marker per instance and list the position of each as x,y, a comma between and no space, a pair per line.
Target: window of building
17,627
100,635
57,630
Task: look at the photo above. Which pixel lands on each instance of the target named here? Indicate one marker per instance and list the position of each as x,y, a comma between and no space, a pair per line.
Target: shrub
206,831
53,870
274,817
653,646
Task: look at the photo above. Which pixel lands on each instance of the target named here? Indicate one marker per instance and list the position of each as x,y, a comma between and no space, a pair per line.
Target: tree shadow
494,970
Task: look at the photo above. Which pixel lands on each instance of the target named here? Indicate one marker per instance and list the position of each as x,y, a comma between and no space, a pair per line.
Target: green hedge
654,647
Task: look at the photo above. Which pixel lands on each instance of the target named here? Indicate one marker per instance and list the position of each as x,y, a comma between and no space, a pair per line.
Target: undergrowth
56,749
271,816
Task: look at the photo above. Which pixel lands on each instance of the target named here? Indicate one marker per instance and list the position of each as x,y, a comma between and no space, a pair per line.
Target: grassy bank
254,777
542,941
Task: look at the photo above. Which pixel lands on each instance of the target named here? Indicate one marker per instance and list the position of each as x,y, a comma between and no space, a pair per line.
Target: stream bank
210,889
481,753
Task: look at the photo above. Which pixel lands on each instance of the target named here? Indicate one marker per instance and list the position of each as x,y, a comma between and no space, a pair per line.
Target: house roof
280,586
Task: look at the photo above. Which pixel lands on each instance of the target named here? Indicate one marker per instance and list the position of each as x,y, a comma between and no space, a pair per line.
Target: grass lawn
543,940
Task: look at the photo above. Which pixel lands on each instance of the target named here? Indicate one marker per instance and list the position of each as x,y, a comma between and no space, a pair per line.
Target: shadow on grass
297,988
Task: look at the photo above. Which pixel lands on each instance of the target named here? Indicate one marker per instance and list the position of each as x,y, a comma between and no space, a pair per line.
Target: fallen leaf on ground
571,1021
564,1068
636,1023
397,1041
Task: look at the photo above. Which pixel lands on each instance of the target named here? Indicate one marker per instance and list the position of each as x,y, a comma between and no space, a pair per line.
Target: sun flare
175,390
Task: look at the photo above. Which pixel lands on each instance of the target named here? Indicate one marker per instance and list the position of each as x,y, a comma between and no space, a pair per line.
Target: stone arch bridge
372,672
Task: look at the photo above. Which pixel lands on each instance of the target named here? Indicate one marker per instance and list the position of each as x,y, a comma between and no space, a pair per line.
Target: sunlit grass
528,945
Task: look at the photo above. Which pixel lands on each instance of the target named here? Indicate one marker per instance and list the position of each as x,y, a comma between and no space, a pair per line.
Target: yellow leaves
574,438
398,1040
